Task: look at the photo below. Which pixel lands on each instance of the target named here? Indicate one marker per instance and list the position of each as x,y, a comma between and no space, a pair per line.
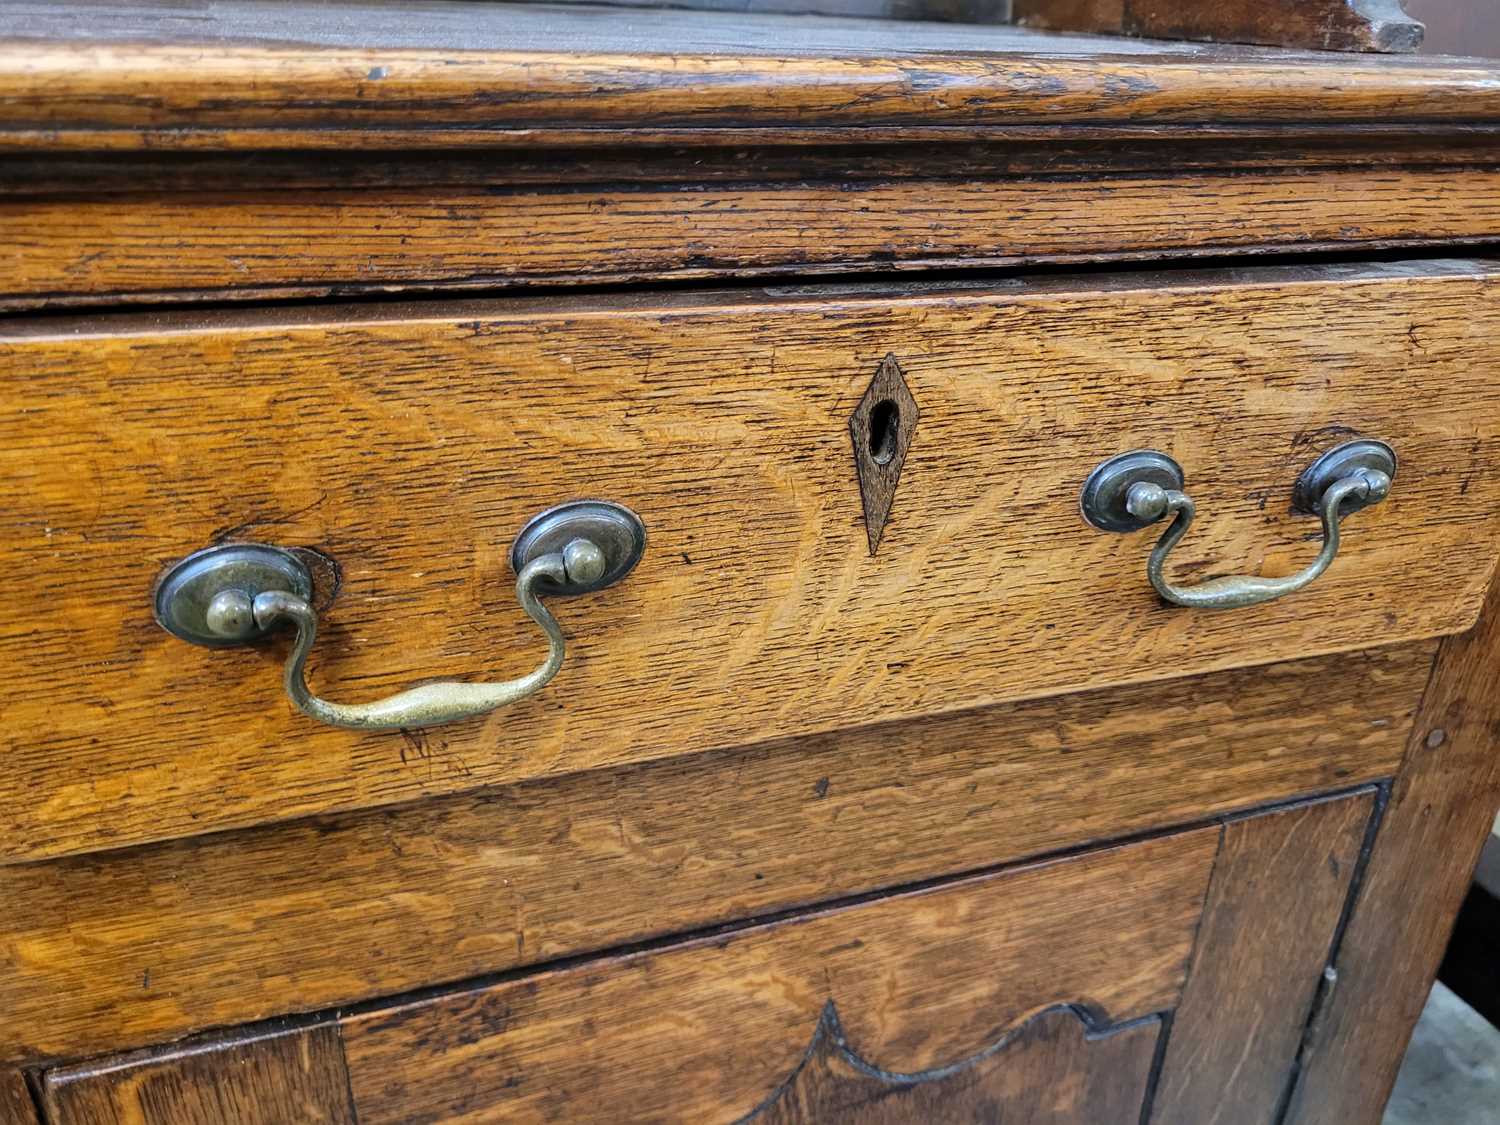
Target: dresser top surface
466,25
255,74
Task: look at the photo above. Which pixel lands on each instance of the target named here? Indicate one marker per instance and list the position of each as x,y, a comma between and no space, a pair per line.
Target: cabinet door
1032,994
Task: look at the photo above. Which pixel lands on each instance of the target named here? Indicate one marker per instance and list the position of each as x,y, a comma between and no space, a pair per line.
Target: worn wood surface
1325,25
382,75
16,1105
106,952
708,1031
1050,1069
369,239
1442,805
1163,157
410,444
1279,888
962,11
269,1078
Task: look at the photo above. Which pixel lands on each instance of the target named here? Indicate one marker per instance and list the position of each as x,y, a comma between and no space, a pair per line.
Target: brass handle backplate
236,593
1136,489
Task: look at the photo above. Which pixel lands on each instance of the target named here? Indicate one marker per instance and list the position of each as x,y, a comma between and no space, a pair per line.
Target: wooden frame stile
1437,816
1232,1041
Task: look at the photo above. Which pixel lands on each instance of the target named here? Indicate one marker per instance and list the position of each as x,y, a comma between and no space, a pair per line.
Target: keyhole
885,429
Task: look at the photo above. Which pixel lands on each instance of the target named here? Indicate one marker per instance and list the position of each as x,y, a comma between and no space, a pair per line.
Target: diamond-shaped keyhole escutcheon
881,429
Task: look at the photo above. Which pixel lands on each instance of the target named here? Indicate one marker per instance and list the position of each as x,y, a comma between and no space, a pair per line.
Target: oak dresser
569,564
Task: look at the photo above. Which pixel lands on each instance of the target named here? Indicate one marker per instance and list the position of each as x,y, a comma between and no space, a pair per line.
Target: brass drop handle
1137,489
236,593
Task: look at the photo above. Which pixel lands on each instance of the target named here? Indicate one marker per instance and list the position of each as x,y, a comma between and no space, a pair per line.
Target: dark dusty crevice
34,1092
890,274
1159,1056
1328,982
844,177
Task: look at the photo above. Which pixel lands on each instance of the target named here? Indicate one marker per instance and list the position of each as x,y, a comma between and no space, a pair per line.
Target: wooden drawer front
257,243
411,444
1034,994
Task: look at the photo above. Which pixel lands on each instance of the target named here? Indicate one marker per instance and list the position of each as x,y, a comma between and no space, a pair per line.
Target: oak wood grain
1265,148
460,75
117,950
1279,887
273,1078
410,444
1325,25
1051,1069
1442,805
707,1031
372,238
16,1105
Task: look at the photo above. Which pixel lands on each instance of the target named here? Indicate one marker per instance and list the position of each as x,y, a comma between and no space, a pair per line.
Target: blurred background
1459,27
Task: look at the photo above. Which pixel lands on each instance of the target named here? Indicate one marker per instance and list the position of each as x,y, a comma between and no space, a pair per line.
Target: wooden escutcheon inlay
881,430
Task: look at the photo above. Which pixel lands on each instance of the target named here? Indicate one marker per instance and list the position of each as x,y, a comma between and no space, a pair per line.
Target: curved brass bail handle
1135,490
446,701
1245,589
236,593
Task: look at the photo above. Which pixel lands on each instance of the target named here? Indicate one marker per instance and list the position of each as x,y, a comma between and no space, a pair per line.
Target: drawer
409,444
264,240
1036,993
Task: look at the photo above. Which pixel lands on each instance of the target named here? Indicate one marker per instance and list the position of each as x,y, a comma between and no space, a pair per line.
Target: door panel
1002,988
